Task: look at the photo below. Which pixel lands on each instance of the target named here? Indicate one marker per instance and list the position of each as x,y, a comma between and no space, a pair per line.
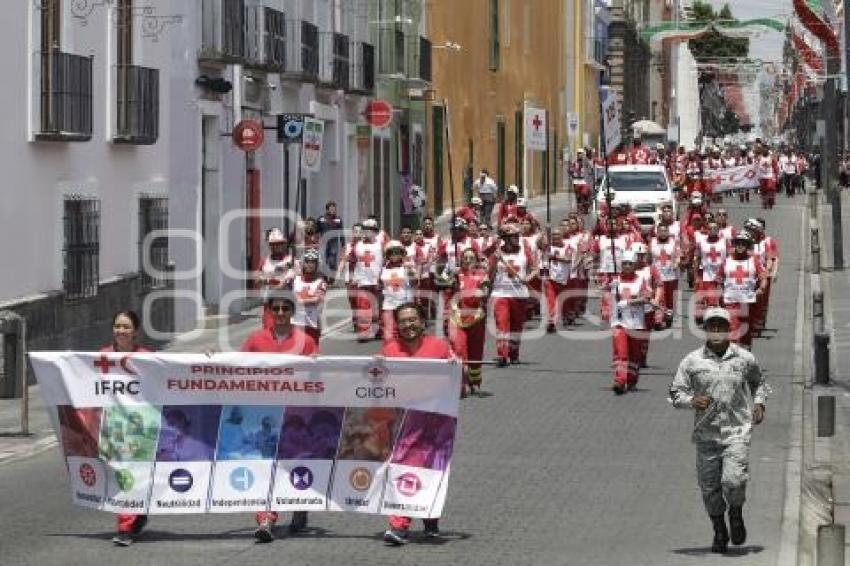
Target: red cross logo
376,374
664,257
104,364
88,475
713,254
537,122
740,274
366,259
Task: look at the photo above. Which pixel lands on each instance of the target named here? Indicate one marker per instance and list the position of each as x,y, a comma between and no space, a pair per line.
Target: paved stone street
550,469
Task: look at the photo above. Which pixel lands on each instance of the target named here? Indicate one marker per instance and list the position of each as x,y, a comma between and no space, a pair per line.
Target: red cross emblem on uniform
366,258
305,293
740,274
713,254
664,257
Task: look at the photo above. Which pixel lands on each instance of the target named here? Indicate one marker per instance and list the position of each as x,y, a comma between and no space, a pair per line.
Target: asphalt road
550,468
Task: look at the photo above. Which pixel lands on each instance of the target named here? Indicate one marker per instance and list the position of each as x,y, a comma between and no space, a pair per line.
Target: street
550,467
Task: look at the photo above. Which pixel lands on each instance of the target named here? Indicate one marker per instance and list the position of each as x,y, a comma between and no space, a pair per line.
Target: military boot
736,525
721,535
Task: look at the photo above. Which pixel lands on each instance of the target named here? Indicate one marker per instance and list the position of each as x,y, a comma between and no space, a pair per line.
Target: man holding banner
282,338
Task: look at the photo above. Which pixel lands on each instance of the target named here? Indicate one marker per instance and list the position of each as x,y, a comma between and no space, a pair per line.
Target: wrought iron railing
66,97
137,99
81,252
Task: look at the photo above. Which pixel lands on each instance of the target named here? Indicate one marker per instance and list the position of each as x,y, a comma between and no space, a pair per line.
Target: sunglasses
282,308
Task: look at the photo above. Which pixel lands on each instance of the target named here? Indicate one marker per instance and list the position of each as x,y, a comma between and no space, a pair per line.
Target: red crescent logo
126,366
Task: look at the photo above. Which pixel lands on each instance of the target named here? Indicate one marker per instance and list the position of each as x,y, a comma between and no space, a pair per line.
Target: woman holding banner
125,333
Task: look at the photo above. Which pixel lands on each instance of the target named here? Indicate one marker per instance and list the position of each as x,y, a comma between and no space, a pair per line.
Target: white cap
513,189
659,145
393,245
370,223
276,236
629,256
717,312
696,199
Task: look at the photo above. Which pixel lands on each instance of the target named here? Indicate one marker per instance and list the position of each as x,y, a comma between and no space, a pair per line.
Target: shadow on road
733,550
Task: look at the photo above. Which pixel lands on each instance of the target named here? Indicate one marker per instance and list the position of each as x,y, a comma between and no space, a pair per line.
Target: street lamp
449,46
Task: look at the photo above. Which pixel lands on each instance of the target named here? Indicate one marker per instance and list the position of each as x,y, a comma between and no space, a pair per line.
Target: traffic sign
290,127
248,135
379,113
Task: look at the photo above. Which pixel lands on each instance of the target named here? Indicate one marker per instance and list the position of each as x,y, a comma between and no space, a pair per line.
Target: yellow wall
533,67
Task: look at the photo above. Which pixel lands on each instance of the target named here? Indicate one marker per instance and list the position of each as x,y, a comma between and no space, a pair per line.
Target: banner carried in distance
185,433
733,178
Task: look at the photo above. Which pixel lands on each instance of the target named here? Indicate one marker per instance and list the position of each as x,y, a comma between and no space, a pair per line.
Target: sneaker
550,329
737,530
298,523
395,537
632,387
502,362
264,531
432,530
618,388
123,539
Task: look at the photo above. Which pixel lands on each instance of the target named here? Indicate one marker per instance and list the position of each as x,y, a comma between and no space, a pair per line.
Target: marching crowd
500,261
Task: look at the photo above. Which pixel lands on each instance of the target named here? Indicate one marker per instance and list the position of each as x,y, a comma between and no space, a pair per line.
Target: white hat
393,245
717,312
370,223
276,236
513,189
629,256
659,145
580,150
311,255
696,199
475,200
522,201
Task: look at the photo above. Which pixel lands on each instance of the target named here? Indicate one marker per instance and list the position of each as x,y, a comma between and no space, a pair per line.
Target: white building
114,135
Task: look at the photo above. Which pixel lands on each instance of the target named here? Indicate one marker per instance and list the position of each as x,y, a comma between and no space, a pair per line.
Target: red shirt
297,343
431,348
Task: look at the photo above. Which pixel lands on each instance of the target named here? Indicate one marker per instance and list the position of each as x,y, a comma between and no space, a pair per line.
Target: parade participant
125,334
658,155
345,272
713,163
582,241
607,250
467,319
470,213
427,284
413,343
282,338
560,296
534,239
508,207
694,175
415,254
397,279
802,169
743,279
767,250
381,235
724,384
331,231
746,158
277,270
580,171
667,219
306,236
309,289
512,267
485,188
653,307
787,172
486,241
768,170
666,255
367,259
628,294
448,263
710,254
726,230
620,155
638,154
522,211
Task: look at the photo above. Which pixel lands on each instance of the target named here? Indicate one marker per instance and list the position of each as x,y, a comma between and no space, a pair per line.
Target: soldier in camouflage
724,384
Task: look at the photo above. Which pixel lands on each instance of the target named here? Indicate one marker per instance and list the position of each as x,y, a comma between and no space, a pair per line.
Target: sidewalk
835,451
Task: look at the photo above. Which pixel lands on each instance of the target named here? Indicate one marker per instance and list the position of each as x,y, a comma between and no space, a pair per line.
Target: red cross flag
535,128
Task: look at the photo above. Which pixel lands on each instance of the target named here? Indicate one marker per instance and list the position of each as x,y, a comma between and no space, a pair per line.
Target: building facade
491,59
125,130
630,59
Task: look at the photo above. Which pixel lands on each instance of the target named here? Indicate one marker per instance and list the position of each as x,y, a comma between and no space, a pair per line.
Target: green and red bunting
811,15
685,31
810,57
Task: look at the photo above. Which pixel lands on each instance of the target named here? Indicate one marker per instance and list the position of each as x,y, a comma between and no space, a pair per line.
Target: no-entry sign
248,135
379,113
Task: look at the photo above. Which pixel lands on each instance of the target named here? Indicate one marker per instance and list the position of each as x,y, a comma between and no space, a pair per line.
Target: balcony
302,51
66,97
137,108
334,62
265,38
362,68
222,31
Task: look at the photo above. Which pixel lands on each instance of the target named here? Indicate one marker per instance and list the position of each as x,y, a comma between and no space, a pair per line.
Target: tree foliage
714,44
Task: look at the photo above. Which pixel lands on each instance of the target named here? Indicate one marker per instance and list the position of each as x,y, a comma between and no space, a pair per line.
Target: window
136,88
124,24
495,55
81,253
500,153
438,148
518,148
153,252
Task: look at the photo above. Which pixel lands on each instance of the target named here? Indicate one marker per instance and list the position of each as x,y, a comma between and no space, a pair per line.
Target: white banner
733,178
311,144
611,122
186,433
535,129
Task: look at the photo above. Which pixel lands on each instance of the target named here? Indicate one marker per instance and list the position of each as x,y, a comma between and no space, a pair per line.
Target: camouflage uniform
721,432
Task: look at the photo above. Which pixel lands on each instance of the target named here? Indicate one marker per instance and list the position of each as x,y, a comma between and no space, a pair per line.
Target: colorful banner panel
185,433
733,178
